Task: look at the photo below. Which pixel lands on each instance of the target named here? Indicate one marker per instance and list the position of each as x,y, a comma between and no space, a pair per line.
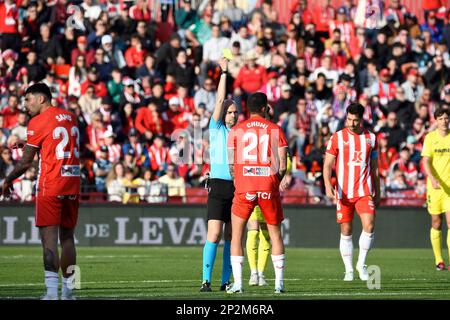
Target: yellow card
227,54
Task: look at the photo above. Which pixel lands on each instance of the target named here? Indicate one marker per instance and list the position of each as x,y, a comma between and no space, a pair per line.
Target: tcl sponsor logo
262,195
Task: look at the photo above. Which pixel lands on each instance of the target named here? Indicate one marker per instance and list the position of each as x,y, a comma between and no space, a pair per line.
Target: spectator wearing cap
247,41
413,89
264,56
420,56
112,53
9,25
102,166
206,95
132,143
341,22
130,161
135,54
437,76
182,70
129,94
93,80
103,68
384,88
286,104
434,26
176,117
82,50
114,149
48,46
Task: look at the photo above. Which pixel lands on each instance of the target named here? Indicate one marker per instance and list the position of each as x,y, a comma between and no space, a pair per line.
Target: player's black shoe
206,287
225,286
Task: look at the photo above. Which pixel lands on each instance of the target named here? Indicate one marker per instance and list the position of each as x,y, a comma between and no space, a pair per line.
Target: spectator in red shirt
140,11
82,50
148,121
323,14
134,56
301,6
92,80
9,26
11,112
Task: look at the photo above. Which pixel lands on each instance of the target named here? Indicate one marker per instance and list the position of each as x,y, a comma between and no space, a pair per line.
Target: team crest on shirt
369,141
339,216
30,133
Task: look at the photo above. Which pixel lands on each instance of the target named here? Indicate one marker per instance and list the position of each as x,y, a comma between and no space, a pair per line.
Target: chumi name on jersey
256,171
444,150
62,117
70,171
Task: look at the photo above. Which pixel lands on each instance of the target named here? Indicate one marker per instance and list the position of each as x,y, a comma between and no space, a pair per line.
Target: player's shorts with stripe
438,201
257,215
346,208
220,199
269,202
57,211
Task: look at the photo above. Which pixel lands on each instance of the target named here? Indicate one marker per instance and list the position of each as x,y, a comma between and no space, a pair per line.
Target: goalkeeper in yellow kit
258,241
436,161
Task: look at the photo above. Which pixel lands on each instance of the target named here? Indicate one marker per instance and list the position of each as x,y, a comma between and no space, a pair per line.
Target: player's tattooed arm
282,154
22,166
230,153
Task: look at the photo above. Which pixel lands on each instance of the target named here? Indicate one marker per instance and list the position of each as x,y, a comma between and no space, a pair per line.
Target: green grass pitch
175,273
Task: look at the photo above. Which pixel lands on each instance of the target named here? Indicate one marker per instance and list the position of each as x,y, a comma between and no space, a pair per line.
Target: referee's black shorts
220,199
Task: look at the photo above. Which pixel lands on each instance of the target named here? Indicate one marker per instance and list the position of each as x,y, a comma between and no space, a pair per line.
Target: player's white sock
365,243
51,282
66,291
346,248
278,265
237,263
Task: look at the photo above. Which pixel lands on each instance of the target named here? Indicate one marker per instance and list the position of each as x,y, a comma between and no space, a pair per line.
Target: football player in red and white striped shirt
354,151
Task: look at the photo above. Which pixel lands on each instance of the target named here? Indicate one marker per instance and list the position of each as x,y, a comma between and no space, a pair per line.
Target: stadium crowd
140,77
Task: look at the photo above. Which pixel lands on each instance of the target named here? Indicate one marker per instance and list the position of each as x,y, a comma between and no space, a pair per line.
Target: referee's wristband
224,72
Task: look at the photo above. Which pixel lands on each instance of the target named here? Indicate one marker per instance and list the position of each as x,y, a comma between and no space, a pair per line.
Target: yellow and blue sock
209,256
226,263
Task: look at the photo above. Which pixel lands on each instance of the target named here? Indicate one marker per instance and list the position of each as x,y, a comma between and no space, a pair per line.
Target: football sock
51,282
226,263
209,256
278,265
346,248
252,249
263,250
237,262
435,237
448,244
365,244
65,291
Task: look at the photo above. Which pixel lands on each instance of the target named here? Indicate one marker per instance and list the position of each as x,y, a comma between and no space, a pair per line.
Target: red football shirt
353,154
55,133
255,143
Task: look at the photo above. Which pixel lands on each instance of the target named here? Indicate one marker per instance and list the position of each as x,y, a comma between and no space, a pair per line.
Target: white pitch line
177,281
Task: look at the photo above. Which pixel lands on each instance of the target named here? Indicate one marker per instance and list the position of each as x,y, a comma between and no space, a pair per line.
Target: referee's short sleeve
213,124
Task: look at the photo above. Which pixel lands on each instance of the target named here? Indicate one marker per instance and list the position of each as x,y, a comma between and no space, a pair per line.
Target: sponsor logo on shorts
256,171
339,216
371,204
70,171
262,195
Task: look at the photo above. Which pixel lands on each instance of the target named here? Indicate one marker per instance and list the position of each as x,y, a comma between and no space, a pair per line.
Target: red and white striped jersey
353,154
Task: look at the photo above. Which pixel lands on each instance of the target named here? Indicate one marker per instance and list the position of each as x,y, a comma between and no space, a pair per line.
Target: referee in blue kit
221,188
